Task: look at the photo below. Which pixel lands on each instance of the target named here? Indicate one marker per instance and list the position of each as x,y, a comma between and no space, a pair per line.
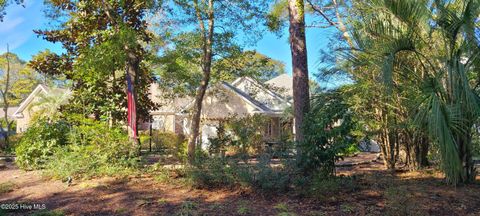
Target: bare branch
321,12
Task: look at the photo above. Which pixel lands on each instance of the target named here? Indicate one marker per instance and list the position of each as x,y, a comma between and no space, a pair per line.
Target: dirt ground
375,191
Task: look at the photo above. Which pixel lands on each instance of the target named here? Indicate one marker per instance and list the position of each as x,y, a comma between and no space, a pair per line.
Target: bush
13,139
81,147
211,173
95,150
39,142
247,133
265,177
328,133
169,143
217,172
325,187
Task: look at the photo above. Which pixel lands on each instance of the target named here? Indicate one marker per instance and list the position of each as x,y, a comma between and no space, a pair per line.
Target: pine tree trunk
298,46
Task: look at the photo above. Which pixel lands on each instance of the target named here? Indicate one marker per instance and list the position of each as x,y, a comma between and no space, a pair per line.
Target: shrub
211,173
95,149
169,143
81,147
39,142
247,133
323,187
13,139
328,133
269,179
219,143
217,172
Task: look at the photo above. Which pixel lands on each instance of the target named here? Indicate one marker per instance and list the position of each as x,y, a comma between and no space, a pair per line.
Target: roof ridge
247,97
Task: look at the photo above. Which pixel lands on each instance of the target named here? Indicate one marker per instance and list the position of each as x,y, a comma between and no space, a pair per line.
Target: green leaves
424,53
97,36
22,79
328,132
4,4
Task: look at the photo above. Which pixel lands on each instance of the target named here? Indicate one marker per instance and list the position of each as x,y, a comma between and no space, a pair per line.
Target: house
283,85
23,114
243,97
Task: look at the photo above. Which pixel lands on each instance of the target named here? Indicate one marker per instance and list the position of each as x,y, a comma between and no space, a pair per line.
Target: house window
158,123
269,129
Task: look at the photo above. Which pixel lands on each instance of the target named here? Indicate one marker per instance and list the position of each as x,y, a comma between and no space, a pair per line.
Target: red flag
131,109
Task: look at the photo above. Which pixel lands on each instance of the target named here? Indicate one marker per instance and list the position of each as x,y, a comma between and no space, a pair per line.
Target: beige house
23,114
243,97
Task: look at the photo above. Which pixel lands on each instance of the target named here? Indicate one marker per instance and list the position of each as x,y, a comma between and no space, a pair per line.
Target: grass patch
283,210
48,213
188,208
347,208
243,209
329,188
7,187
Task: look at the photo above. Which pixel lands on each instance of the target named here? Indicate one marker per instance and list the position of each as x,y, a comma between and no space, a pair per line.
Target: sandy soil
375,192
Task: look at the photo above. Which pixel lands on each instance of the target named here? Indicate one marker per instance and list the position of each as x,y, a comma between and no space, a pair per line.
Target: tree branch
320,11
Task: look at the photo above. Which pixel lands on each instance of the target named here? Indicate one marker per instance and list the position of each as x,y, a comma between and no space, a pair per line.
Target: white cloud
10,25
17,27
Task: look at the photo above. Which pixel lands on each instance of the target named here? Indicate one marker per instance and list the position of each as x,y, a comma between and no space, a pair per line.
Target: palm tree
440,37
48,104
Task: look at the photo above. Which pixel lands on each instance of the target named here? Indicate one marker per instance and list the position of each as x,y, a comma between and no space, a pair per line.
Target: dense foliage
76,147
99,55
328,133
431,89
39,142
93,149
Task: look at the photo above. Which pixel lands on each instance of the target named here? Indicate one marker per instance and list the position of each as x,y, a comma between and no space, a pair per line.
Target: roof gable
284,82
261,93
39,89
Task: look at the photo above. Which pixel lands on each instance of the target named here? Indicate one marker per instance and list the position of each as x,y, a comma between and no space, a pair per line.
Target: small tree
4,91
214,23
16,83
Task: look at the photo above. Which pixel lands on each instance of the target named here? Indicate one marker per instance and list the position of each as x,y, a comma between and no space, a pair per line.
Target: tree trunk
6,104
207,39
464,142
197,111
422,153
133,69
298,46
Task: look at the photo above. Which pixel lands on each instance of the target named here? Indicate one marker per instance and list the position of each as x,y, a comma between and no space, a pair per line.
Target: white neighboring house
23,114
243,97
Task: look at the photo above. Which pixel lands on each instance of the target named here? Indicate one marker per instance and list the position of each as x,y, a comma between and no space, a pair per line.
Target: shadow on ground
371,191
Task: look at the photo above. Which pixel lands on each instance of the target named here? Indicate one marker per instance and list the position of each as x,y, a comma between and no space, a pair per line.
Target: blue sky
16,30
19,23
